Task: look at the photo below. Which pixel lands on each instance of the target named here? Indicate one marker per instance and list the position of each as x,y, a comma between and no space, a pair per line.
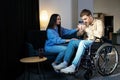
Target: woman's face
58,21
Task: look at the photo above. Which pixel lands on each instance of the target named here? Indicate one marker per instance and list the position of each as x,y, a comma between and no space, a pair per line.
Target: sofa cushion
36,38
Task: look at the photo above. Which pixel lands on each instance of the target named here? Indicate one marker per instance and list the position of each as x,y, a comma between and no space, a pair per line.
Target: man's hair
85,12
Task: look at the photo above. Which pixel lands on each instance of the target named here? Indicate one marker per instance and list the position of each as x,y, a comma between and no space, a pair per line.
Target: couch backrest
36,38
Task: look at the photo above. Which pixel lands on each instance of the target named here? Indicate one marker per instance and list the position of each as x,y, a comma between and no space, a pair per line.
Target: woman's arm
54,38
68,31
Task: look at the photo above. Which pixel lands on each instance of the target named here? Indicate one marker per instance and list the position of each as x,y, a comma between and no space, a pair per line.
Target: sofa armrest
36,38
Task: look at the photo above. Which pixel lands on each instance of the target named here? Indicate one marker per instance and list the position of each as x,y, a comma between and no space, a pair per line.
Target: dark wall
17,18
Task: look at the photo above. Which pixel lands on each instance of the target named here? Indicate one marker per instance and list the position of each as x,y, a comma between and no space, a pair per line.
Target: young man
93,28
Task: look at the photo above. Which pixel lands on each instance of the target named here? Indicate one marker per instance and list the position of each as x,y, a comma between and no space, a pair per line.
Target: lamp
43,19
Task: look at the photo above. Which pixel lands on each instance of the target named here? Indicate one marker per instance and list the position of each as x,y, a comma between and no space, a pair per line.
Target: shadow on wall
116,37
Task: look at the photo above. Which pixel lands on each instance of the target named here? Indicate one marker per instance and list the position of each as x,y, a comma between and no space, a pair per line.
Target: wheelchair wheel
107,59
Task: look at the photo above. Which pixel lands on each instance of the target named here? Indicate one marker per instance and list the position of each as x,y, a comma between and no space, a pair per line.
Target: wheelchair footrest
87,62
88,74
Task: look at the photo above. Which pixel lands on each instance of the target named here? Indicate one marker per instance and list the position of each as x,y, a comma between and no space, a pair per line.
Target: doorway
108,22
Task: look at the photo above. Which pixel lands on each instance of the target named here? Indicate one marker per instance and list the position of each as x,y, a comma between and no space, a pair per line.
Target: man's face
87,19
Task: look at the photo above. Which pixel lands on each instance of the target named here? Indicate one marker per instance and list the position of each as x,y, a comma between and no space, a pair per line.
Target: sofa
35,40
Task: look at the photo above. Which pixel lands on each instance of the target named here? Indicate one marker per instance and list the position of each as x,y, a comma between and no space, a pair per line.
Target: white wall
74,13
70,10
84,4
62,7
109,7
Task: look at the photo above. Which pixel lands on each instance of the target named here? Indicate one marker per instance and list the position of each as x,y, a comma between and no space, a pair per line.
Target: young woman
55,44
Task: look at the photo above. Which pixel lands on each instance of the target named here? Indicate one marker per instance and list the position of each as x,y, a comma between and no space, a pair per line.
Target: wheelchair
101,56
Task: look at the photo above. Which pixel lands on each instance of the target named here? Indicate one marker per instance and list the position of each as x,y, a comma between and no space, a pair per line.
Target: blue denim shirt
53,37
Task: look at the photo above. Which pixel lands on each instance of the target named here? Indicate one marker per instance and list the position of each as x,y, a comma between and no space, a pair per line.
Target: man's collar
93,22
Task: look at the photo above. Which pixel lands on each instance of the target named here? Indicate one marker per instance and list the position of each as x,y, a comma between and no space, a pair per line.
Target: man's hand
81,27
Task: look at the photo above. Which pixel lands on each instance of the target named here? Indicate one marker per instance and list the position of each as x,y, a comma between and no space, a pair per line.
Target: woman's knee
74,42
63,48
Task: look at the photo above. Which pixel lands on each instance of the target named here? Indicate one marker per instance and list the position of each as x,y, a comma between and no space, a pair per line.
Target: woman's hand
74,39
68,40
81,27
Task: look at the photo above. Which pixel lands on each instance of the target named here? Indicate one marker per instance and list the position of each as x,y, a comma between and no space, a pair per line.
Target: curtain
18,17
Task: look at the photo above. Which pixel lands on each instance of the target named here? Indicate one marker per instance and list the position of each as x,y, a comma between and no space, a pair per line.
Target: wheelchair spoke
103,61
107,59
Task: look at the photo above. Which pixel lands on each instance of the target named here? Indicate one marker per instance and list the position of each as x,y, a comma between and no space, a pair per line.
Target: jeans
57,49
82,45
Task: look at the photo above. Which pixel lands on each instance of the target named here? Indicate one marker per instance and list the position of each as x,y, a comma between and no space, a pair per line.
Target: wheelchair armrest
95,45
106,40
98,38
103,39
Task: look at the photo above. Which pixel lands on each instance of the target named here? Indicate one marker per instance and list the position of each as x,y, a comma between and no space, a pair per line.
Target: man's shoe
68,70
60,66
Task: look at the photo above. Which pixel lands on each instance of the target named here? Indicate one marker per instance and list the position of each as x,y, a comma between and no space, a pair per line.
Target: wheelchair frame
100,59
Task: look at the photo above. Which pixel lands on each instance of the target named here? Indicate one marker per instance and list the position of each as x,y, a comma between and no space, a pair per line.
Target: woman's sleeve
68,31
54,37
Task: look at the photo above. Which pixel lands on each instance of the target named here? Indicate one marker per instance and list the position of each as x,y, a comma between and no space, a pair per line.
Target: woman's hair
85,12
52,23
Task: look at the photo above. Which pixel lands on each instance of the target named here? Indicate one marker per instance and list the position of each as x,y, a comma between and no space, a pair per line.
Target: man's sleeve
100,29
